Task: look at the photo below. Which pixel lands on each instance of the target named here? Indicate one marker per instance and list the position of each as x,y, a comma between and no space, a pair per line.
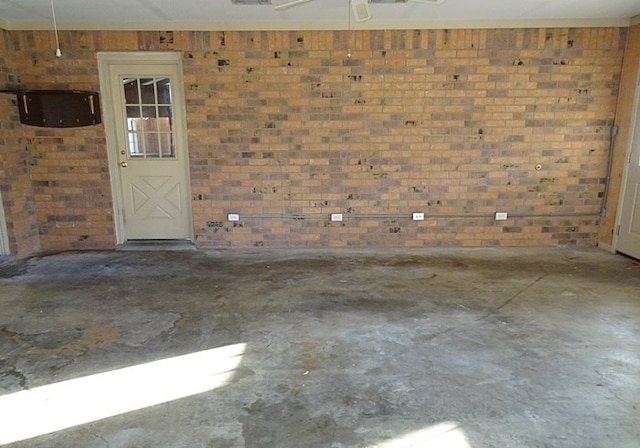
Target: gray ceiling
316,14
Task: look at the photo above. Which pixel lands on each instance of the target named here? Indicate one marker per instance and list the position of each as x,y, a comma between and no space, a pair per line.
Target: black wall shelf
58,108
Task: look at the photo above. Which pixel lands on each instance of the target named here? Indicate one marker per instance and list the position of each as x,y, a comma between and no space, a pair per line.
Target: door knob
123,164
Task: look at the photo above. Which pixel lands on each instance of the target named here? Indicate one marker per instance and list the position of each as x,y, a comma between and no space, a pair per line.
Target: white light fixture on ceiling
283,4
361,10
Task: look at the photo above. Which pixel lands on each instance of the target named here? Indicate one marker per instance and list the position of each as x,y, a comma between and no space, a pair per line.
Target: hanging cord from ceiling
55,30
348,28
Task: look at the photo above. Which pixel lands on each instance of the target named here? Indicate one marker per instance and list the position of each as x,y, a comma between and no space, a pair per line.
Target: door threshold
156,245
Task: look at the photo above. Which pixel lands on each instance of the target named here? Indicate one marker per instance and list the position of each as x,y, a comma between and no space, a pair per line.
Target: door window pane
149,117
164,91
166,143
152,149
131,91
147,91
164,111
133,111
149,125
149,111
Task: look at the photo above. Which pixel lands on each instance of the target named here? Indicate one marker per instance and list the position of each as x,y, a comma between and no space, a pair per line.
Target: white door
4,237
628,241
146,137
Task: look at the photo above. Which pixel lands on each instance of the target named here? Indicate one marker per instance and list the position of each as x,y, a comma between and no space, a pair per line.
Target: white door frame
105,61
4,236
625,171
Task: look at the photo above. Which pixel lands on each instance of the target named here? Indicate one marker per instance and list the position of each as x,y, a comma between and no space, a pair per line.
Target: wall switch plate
418,216
233,217
501,216
336,217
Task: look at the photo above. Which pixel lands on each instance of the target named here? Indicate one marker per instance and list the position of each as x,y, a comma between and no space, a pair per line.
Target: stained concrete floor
333,348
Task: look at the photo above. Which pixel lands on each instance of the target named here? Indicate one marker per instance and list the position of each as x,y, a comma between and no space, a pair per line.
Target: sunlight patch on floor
42,410
442,435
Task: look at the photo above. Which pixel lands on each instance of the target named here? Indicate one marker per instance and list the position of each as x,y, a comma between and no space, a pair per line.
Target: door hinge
618,230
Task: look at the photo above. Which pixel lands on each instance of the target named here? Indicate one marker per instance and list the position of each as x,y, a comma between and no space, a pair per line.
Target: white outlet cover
336,217
501,216
418,216
233,217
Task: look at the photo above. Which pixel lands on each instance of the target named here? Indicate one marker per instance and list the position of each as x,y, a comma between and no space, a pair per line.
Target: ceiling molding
316,25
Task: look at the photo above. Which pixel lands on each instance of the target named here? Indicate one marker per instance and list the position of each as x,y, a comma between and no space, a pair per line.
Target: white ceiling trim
209,25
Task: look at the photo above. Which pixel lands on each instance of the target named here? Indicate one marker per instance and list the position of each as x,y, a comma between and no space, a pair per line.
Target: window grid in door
149,117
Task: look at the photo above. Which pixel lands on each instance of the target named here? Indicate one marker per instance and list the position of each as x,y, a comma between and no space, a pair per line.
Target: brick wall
68,167
15,168
449,123
285,129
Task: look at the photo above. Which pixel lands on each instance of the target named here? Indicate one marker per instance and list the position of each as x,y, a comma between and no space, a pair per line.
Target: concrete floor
323,348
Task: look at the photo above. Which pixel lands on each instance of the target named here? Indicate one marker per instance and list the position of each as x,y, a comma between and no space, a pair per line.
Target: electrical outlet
501,216
233,217
418,216
336,217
